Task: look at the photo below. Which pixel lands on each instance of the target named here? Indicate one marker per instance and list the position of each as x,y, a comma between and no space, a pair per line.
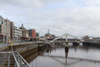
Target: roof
22,26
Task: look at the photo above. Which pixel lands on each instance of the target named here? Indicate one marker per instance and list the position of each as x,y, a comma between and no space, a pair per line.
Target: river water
79,56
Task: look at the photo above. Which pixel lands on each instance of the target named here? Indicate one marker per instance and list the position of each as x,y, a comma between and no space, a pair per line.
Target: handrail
19,60
5,52
23,59
16,60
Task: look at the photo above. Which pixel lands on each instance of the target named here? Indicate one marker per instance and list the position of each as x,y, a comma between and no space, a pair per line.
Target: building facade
37,35
4,29
11,30
25,33
32,34
17,33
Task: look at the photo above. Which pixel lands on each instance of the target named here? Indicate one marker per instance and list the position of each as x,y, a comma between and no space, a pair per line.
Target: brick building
4,29
11,30
32,34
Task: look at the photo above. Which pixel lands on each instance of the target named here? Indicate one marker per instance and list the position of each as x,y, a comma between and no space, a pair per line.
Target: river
78,56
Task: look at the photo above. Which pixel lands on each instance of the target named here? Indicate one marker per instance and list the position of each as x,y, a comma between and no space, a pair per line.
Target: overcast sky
76,17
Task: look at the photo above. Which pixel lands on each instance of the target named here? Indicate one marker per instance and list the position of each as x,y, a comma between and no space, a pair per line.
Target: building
37,35
32,34
11,30
4,29
17,33
25,33
53,36
49,36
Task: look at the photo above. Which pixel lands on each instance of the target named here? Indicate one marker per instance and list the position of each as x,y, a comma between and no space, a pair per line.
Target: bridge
55,41
75,42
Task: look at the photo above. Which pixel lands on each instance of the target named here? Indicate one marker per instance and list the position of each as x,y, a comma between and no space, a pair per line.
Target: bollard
66,50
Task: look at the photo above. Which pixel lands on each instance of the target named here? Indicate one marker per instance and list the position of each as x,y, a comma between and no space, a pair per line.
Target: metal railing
21,62
3,45
5,59
12,59
7,44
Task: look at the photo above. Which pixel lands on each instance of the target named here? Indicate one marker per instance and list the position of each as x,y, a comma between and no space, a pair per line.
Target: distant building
11,30
37,35
49,36
86,37
4,29
53,36
32,34
25,33
17,33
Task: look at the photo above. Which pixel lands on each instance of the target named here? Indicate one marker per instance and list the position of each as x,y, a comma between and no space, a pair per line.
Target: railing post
15,64
8,59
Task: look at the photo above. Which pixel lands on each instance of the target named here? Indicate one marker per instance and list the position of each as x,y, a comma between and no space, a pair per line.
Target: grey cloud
29,3
35,14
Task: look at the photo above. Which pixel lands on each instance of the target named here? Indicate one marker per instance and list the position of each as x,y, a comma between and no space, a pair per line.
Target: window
0,22
0,28
0,18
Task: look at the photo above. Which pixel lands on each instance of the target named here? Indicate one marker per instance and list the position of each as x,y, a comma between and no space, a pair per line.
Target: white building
17,33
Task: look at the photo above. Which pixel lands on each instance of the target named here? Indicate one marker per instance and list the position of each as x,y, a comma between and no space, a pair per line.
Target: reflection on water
77,57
